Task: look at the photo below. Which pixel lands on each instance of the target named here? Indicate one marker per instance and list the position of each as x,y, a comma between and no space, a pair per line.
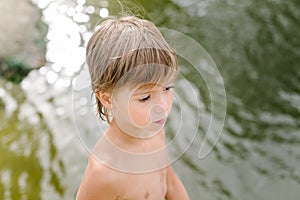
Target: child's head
128,52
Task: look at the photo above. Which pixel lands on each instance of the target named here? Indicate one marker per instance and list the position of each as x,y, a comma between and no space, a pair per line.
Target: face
142,111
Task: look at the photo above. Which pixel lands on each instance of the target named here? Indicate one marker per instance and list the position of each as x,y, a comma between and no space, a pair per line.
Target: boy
132,68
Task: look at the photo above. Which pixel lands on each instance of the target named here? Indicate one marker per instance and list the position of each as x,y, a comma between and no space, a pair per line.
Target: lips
161,121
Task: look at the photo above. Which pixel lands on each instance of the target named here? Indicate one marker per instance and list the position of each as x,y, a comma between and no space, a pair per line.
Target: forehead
140,89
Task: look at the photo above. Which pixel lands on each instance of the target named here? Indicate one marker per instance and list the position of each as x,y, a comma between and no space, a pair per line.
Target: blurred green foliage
13,69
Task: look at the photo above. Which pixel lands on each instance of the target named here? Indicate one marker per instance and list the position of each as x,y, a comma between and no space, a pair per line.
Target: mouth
161,121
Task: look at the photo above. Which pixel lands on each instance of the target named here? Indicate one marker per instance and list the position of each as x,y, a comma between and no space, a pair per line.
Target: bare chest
148,186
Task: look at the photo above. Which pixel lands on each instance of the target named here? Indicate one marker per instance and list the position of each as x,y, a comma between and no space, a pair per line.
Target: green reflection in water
27,163
256,47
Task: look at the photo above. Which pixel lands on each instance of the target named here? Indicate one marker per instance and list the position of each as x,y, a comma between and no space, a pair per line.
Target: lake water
47,127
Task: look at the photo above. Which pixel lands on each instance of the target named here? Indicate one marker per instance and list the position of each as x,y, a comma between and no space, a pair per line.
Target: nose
158,109
161,104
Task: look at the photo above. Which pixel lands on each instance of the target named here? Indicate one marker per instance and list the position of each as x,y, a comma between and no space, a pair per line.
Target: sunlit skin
144,102
141,112
143,108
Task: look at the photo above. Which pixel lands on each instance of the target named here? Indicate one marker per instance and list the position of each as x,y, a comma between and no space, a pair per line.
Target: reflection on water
29,160
255,46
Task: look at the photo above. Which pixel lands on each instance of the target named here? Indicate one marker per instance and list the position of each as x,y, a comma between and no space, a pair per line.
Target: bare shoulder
98,182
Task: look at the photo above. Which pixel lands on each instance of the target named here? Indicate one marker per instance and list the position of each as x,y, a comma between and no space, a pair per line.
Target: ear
105,99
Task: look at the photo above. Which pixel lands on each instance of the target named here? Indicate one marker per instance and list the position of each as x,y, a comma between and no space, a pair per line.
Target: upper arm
175,189
171,178
97,182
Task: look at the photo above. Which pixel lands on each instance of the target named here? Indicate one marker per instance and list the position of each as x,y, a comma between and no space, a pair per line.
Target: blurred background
255,44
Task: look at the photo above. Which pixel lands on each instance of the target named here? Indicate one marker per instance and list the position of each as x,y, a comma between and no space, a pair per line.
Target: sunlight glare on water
103,12
256,48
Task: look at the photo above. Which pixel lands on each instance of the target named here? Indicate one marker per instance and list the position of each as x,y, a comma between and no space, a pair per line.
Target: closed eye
144,99
168,88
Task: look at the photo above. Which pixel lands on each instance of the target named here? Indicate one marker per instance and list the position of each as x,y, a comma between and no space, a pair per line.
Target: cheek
139,114
170,103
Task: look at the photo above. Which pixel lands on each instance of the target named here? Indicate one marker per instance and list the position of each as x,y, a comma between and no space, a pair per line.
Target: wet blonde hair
127,51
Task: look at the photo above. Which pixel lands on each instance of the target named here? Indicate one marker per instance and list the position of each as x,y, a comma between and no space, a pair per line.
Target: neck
137,144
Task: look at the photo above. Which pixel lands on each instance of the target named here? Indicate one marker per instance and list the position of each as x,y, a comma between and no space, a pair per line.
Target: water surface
256,48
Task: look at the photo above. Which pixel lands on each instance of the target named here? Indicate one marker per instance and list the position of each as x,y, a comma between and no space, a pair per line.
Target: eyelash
168,88
144,99
147,98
